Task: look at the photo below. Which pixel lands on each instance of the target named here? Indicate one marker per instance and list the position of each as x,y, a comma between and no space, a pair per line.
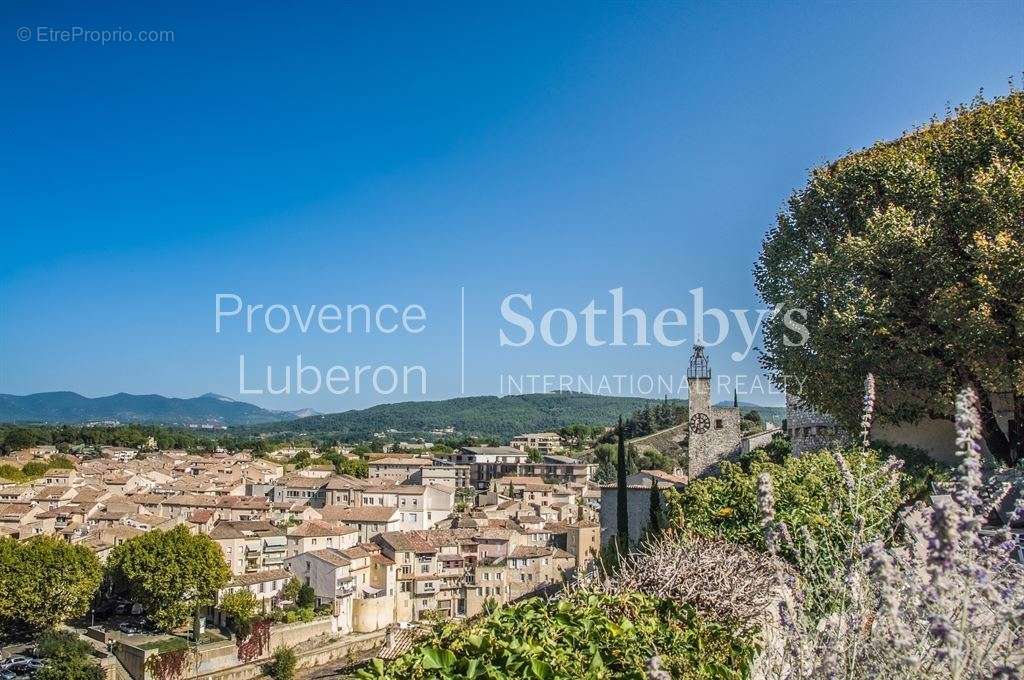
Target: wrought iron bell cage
699,367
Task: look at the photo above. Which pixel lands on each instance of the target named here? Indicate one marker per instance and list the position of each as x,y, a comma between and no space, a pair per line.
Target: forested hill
501,417
70,407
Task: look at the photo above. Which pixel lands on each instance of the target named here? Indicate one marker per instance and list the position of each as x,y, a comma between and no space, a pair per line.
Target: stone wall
349,646
372,613
758,439
216,657
810,430
638,505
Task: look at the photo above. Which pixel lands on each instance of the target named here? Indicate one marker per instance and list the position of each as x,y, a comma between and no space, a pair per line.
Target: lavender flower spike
968,447
869,410
766,504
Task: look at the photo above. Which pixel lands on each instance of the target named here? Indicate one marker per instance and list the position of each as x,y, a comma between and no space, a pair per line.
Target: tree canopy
169,572
45,581
907,260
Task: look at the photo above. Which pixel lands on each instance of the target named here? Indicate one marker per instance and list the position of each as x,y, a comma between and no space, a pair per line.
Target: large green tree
45,581
908,260
169,572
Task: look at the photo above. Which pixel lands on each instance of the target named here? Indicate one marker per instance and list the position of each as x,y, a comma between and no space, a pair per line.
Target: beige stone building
542,442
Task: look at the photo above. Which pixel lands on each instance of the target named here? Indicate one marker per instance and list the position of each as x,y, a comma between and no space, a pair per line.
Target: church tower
698,378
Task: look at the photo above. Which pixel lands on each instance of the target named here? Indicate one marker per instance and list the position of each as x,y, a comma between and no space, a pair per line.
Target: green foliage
655,513
282,666
18,438
62,645
34,469
68,657
355,467
906,258
81,668
811,498
241,606
582,636
775,451
45,581
651,417
497,417
306,597
604,456
751,422
622,505
805,487
291,589
294,615
169,572
578,435
920,470
133,436
652,459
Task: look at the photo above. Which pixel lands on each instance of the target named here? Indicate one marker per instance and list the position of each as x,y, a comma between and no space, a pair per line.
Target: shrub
70,669
581,635
291,589
68,657
815,496
282,665
945,602
306,598
241,606
62,645
722,581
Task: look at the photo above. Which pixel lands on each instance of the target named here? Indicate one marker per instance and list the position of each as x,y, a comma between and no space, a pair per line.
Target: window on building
718,424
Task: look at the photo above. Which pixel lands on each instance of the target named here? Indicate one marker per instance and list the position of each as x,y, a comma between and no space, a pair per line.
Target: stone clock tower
714,431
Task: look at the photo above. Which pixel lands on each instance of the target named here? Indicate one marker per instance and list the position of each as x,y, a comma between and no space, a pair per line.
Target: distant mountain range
501,417
208,410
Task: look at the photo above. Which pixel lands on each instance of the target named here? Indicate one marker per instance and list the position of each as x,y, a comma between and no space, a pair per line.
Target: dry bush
721,580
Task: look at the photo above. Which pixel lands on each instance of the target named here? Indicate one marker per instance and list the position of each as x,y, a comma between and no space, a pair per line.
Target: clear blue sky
395,153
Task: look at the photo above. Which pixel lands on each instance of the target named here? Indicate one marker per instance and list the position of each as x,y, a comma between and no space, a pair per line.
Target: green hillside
501,417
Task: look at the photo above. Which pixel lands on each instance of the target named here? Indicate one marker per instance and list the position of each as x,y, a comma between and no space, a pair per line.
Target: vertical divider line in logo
462,340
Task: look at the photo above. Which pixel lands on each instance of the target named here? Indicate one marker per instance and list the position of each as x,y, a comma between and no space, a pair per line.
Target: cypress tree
623,509
654,516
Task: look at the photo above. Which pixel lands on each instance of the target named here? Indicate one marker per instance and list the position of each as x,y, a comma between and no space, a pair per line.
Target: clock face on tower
699,423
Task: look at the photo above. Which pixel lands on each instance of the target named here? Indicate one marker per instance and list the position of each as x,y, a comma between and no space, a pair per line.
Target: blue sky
397,153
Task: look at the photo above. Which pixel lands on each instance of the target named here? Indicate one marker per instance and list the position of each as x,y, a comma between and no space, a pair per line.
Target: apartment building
397,469
317,534
296,488
490,462
420,507
357,583
369,520
456,571
543,442
249,546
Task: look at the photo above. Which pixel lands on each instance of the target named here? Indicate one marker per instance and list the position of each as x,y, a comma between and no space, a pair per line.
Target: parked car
13,660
